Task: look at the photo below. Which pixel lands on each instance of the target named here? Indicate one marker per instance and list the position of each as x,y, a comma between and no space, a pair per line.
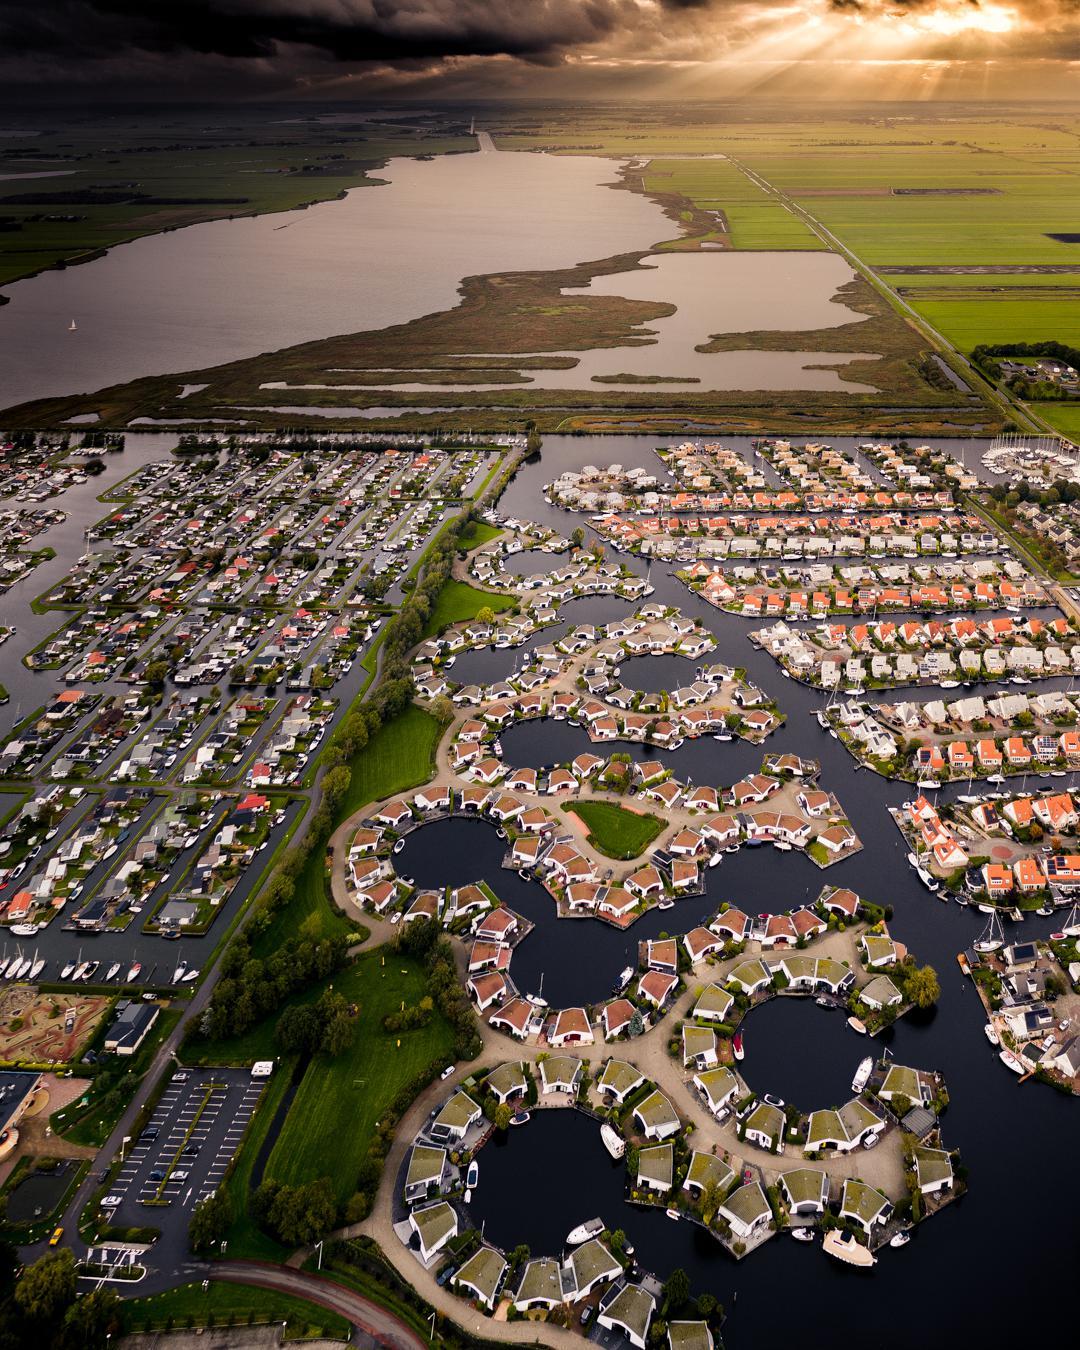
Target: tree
338,1034
676,1290
922,987
210,1221
637,1023
577,538
299,1028
442,710
90,1321
502,1116
485,614
47,1288
712,1196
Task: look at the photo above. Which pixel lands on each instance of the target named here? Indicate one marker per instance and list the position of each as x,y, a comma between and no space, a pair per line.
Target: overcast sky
540,48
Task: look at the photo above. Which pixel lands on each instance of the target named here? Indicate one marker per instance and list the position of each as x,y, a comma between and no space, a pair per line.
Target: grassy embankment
221,1305
616,832
459,601
1029,545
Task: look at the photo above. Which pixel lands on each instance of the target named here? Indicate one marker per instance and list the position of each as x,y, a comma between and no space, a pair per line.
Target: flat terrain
221,1304
333,1116
616,832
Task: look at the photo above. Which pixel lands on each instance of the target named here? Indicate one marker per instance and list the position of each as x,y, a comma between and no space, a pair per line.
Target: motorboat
666,904
822,721
737,1048
399,845
862,1074
472,1176
803,1234
716,858
189,976
91,970
1013,1062
857,1026
584,1231
995,778
990,1032
625,977
612,1140
900,1239
848,1249
520,1118
24,929
673,1214
822,1001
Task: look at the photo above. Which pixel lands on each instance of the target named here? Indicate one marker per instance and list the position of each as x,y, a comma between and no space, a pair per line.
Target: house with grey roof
619,1079
453,1121
933,1170
689,1336
717,1086
713,1005
590,1264
880,992
507,1080
560,1073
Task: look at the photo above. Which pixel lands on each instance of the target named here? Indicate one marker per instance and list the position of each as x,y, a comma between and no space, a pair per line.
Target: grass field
616,832
240,1304
477,533
458,601
1064,416
333,1116
400,755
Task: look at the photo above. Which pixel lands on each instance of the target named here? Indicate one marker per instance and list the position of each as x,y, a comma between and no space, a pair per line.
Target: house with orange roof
987,753
513,1017
1017,750
656,987
616,1017
571,1027
733,925
996,879
486,988
616,903
1029,875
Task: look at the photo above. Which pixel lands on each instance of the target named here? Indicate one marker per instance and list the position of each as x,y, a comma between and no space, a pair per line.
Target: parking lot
181,1156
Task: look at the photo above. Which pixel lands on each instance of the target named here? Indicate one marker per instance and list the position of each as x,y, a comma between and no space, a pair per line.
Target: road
382,1326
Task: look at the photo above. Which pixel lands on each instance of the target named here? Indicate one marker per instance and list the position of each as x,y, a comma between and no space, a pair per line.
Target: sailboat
38,965
992,937
73,326
16,964
113,971
3,962
539,999
69,967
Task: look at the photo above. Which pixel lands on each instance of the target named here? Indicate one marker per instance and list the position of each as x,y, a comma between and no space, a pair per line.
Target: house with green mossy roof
656,1167
427,1168
864,1205
689,1336
455,1117
619,1079
560,1073
714,1004
880,992
746,1209
901,1081
628,1308
933,1170
481,1275
591,1264
698,1046
706,1168
656,1116
879,950
766,1126
507,1080
717,1086
540,1286
749,977
805,1190
820,974
434,1225
842,1130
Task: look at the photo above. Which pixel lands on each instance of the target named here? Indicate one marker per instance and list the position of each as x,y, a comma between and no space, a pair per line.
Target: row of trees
43,1310
325,1026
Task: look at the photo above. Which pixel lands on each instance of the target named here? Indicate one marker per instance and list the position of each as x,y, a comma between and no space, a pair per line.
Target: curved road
382,1326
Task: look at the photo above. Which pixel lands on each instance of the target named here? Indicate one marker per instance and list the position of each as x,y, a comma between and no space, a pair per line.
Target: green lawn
616,832
1065,417
333,1116
222,1304
476,533
399,756
458,601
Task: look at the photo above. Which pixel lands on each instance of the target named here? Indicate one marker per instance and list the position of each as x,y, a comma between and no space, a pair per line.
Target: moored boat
113,971
737,1048
613,1140
990,1032
857,1026
803,1234
862,1074
134,971
584,1231
520,1118
900,1239
848,1249
472,1176
1013,1062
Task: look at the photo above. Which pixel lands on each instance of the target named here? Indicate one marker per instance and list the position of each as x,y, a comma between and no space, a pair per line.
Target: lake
382,255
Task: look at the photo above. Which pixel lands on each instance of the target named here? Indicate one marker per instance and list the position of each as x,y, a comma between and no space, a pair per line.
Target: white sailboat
15,966
73,327
38,965
992,936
